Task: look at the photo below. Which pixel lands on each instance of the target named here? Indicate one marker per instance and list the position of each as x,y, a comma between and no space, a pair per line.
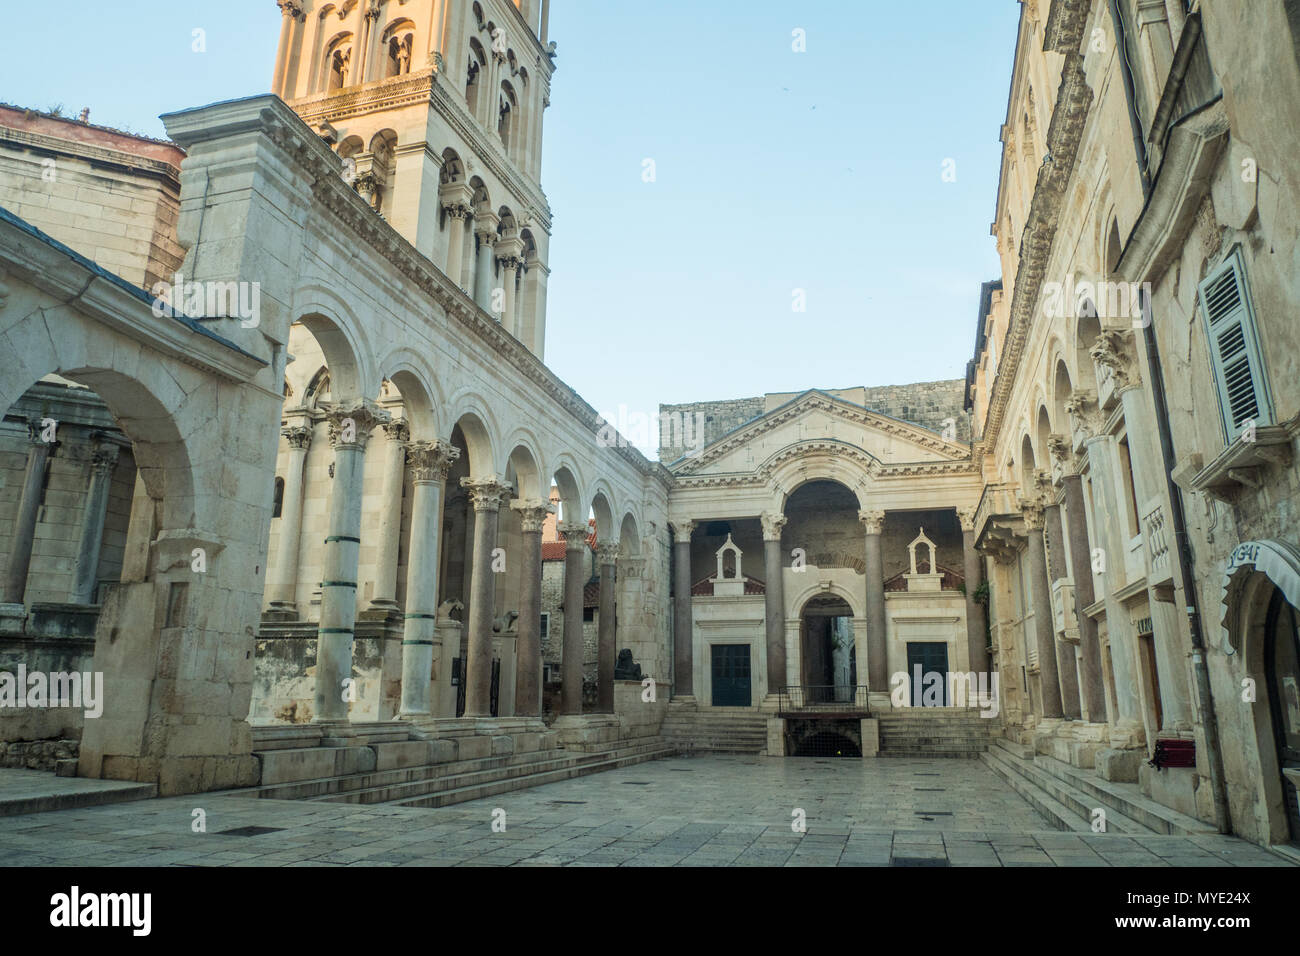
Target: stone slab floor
684,811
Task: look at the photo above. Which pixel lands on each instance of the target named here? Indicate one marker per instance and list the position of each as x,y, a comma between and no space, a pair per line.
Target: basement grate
249,831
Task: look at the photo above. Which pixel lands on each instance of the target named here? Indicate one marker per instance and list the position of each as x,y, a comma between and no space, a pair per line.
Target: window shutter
1234,348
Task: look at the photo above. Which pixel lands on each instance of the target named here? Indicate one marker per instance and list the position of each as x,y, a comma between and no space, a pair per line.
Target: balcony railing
816,699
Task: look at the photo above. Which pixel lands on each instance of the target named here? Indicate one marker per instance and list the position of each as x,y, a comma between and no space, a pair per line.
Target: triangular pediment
816,422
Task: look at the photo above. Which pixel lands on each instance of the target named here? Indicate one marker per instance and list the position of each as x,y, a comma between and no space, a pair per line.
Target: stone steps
454,777
939,733
36,791
581,768
739,732
1068,796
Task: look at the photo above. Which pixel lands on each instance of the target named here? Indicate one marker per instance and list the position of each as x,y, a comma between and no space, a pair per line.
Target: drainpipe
1200,672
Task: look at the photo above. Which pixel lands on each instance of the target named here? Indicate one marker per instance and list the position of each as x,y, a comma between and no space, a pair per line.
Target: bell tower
436,108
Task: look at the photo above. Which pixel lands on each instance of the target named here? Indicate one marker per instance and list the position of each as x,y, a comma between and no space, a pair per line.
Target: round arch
800,599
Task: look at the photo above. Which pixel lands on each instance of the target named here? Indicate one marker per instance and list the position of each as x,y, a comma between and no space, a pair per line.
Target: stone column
429,461
1066,668
290,14
607,553
20,552
1049,687
575,577
683,625
103,460
1092,689
877,659
282,577
350,424
455,199
976,621
774,600
487,237
486,494
528,674
389,532
509,268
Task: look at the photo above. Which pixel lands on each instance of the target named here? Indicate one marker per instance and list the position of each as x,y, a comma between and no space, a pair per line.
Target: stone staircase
936,732
379,770
1067,795
732,730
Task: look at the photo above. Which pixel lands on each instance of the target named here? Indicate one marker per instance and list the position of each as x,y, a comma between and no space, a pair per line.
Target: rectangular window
545,631
1126,473
1235,354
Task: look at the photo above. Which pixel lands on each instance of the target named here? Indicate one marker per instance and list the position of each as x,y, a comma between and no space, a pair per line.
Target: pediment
816,423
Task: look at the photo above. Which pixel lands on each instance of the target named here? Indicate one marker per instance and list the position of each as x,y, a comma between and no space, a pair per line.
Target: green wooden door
931,657
731,675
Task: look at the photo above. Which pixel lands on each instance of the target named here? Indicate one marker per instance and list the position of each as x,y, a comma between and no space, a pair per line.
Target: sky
731,215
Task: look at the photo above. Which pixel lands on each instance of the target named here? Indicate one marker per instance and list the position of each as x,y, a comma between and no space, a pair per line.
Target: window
588,614
1235,356
279,497
545,631
1126,473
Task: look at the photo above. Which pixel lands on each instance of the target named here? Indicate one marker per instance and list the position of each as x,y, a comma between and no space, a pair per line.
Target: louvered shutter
1234,348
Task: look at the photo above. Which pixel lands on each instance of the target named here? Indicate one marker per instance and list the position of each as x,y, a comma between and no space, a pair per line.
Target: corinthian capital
486,494
1084,414
351,423
967,518
1116,349
532,513
682,530
773,522
575,534
298,436
872,521
1032,512
430,460
607,552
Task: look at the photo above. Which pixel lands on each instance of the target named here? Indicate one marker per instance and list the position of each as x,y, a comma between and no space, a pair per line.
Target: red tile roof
704,587
952,580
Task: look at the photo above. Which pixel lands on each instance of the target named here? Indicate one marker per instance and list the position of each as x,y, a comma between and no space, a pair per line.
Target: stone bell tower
436,108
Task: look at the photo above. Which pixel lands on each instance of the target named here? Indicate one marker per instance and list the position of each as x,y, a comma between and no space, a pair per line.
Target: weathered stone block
1119,766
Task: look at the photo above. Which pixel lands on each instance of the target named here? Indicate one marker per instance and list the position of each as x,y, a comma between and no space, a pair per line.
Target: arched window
399,47
473,76
338,62
507,106
279,498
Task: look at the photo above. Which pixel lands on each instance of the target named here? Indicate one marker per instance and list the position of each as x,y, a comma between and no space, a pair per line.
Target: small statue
445,609
625,668
505,624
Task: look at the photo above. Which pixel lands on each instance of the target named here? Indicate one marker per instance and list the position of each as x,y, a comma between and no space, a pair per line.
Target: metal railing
823,699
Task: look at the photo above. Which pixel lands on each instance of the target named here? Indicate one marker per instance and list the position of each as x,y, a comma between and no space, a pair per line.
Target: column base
13,618
280,612
771,704
684,702
335,732
879,700
381,611
581,731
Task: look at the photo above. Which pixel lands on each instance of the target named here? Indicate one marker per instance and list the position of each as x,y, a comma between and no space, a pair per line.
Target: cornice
1073,100
1063,30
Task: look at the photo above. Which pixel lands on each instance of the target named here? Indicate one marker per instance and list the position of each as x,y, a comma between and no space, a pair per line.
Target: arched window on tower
399,46
506,113
338,61
473,76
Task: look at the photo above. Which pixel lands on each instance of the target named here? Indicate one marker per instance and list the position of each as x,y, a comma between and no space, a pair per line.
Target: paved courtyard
689,811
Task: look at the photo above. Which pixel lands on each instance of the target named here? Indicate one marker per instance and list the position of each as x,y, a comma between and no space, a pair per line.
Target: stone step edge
1178,824
1030,776
449,797
76,800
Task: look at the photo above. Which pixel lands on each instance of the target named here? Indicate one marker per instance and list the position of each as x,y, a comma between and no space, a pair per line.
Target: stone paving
687,811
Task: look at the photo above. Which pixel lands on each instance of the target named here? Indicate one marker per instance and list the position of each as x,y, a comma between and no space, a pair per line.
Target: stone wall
111,196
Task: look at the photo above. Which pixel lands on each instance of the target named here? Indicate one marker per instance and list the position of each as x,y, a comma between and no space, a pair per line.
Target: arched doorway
828,659
1282,668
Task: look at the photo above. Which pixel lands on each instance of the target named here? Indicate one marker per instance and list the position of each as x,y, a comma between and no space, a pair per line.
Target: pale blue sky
775,171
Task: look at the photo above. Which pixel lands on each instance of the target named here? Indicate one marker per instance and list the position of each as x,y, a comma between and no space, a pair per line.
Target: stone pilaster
877,662
683,624
282,576
1066,668
575,577
429,462
607,555
1092,689
103,461
486,230
1049,685
486,495
774,600
528,673
976,618
350,425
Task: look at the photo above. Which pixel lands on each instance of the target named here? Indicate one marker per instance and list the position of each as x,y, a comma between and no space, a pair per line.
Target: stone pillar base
775,737
879,701
870,730
381,611
771,704
684,702
335,733
1118,766
585,731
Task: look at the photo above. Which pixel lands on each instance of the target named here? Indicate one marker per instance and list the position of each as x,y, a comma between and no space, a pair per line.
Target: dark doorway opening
1282,661
924,659
731,676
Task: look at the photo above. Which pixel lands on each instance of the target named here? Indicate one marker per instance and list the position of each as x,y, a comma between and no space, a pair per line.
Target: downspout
1200,671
